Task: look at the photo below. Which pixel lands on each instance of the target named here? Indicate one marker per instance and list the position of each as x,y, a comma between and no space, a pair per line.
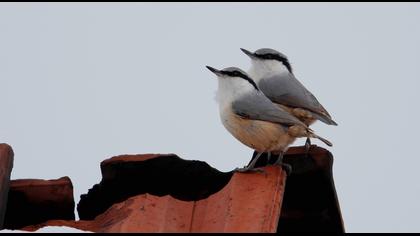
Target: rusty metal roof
33,201
310,202
164,193
129,175
238,207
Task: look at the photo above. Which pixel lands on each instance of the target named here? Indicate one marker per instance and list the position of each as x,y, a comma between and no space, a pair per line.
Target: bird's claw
307,145
287,168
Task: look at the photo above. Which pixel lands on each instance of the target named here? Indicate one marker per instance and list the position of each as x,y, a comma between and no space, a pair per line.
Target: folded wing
257,106
285,89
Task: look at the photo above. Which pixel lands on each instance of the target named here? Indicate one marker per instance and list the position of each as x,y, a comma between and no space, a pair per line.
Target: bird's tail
313,135
324,118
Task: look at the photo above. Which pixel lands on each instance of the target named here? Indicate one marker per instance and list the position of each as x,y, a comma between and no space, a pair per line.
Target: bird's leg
250,167
286,167
268,157
307,145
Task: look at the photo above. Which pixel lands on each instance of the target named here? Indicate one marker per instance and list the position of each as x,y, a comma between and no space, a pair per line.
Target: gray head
233,72
269,54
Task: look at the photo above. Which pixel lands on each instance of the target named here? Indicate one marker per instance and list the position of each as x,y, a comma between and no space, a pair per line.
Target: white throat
266,68
230,89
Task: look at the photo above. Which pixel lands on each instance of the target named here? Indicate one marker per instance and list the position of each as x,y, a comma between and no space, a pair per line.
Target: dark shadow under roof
310,202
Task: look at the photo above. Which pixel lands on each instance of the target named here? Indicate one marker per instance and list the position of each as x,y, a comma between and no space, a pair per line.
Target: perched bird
273,74
253,119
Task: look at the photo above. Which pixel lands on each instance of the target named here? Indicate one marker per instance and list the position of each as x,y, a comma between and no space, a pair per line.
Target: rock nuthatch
253,119
273,74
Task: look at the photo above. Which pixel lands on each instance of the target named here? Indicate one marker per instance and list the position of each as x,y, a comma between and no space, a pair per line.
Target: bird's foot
307,145
249,170
286,167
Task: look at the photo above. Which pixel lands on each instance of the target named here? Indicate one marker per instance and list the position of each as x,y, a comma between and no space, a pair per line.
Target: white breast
258,135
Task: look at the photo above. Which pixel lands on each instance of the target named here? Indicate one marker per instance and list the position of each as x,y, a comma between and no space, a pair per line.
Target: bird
253,119
273,74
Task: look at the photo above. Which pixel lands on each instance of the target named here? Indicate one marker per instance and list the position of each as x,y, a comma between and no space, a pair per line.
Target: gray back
256,106
285,89
263,51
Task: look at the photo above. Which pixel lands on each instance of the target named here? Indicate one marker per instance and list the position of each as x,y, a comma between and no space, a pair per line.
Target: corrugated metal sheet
130,175
248,203
310,201
164,193
33,201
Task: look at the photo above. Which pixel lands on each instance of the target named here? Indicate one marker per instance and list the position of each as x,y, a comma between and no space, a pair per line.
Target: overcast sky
82,82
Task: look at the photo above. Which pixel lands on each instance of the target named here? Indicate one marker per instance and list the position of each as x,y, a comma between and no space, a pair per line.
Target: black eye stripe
272,56
276,57
241,75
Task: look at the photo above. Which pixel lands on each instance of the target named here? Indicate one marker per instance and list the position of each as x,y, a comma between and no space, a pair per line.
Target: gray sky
82,82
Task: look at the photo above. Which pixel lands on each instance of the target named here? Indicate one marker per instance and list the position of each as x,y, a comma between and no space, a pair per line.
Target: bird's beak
216,71
250,54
